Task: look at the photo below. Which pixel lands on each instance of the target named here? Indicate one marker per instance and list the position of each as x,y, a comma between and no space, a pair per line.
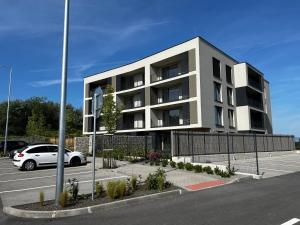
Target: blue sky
108,33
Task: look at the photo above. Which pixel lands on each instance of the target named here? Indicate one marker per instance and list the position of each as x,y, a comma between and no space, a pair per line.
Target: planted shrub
63,198
133,183
189,166
99,189
160,183
121,189
153,179
151,163
42,198
180,165
157,162
208,170
217,171
198,169
164,162
173,164
112,190
154,156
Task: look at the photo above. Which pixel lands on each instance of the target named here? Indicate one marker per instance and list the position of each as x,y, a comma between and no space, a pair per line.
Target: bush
112,190
180,165
99,189
157,163
198,168
151,163
153,181
189,166
133,183
208,170
154,156
164,162
63,198
42,198
121,188
173,164
160,183
217,170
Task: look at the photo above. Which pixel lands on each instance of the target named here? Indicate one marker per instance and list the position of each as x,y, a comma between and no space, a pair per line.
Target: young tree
111,111
36,124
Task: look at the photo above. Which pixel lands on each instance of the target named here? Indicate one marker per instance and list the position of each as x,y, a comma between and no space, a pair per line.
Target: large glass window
231,117
228,74
174,117
218,115
229,96
170,71
174,94
217,92
216,68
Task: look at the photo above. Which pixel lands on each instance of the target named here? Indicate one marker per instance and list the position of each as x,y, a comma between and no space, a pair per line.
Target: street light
62,113
7,110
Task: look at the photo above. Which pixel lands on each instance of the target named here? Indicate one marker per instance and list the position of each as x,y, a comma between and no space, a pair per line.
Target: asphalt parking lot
20,187
269,164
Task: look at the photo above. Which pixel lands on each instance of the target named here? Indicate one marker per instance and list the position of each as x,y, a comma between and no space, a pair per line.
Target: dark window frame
228,71
216,68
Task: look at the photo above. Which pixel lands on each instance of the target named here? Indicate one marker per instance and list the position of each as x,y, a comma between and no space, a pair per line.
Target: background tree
36,124
111,111
35,112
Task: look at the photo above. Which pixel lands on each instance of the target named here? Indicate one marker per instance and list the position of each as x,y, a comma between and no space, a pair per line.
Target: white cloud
45,83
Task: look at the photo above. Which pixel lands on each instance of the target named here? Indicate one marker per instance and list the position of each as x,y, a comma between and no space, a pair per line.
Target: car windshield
21,149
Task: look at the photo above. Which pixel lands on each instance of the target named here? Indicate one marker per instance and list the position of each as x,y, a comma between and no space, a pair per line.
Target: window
170,71
231,117
228,74
229,96
217,91
41,149
137,101
216,68
138,80
174,94
219,119
52,149
174,117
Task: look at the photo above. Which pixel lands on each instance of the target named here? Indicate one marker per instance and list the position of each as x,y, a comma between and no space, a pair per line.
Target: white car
42,155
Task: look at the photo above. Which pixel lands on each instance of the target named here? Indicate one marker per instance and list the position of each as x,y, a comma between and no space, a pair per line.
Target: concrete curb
254,176
87,210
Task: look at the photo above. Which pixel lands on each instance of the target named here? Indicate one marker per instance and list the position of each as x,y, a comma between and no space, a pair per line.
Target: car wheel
29,165
75,161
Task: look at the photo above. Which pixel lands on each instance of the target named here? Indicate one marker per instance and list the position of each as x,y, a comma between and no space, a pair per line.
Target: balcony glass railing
255,103
255,84
170,123
168,99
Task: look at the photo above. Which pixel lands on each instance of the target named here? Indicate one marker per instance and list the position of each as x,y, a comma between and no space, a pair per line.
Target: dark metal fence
242,150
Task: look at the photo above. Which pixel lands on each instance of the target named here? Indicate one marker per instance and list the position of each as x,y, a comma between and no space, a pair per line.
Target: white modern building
192,85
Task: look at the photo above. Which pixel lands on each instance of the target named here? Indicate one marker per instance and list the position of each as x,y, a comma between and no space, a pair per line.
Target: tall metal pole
61,146
94,143
7,110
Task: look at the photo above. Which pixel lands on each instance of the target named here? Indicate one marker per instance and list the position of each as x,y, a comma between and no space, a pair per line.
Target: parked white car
42,155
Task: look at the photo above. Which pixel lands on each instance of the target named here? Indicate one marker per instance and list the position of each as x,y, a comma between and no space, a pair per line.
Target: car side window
52,148
41,149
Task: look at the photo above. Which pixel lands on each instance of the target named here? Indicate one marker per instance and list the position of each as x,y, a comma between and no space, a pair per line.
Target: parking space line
35,178
291,222
81,182
44,170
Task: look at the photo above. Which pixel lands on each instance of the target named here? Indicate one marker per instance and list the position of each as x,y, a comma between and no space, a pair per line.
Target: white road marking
291,222
34,178
44,170
81,182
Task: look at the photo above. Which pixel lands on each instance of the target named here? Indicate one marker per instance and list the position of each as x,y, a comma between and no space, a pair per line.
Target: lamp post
7,110
62,113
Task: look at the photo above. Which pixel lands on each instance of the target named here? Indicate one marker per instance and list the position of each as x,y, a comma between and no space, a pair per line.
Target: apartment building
193,85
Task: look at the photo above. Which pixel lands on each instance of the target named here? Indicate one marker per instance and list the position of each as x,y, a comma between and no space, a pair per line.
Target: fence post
204,143
228,152
177,144
219,142
256,154
193,159
146,145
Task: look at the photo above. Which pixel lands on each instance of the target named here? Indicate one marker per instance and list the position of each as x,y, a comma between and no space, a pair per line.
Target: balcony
254,79
101,83
173,116
132,100
130,80
169,68
257,120
131,121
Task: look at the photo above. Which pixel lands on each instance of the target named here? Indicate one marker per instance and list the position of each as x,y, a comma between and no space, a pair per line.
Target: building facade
192,85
